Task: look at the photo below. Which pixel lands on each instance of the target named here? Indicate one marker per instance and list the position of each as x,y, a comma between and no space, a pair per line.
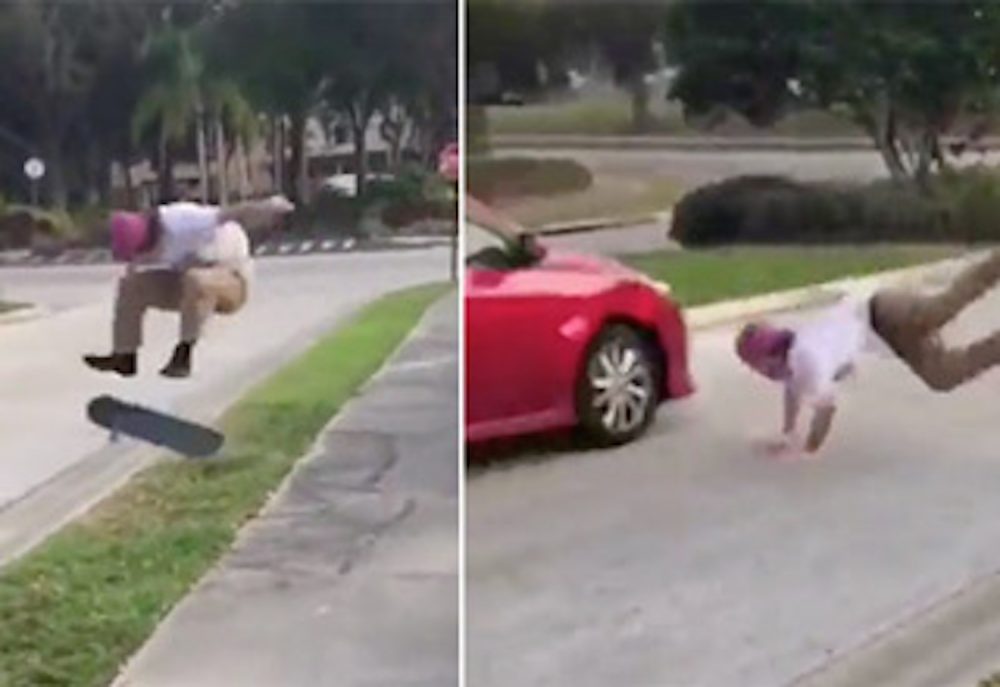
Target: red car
556,340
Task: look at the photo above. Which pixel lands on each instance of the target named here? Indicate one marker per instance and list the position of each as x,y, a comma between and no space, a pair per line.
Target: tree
419,77
893,66
52,53
624,34
70,76
277,53
174,101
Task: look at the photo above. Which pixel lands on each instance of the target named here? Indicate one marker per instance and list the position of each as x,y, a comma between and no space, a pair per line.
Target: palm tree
233,118
174,101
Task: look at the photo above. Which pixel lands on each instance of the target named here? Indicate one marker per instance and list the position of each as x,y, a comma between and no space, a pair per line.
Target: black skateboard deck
139,422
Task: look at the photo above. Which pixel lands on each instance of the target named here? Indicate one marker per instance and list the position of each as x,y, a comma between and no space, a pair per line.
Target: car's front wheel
617,391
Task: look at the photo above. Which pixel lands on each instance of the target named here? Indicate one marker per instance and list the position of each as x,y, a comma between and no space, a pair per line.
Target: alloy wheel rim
623,386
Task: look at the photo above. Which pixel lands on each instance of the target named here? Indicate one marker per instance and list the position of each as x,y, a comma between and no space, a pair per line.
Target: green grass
612,116
78,606
699,277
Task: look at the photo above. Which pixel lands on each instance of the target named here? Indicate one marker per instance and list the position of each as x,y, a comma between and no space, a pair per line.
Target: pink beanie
765,349
129,232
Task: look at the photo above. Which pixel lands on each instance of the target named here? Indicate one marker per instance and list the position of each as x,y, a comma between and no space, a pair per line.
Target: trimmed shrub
24,226
957,207
515,177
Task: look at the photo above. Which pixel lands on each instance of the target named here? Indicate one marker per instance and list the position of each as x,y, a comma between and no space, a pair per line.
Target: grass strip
613,116
73,610
698,277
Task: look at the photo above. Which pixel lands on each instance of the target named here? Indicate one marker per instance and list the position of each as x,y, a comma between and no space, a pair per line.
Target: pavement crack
365,543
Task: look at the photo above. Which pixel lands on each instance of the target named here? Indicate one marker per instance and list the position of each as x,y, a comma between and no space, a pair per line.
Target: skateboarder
811,359
186,257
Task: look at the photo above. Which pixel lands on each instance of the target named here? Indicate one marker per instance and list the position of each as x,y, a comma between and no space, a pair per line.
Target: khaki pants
910,324
195,293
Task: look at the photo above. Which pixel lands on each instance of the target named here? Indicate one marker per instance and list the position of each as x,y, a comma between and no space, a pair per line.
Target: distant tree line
89,83
908,73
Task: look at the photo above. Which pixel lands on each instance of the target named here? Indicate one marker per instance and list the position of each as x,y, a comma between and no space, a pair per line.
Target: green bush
956,207
971,201
408,185
413,195
329,212
511,177
90,224
24,226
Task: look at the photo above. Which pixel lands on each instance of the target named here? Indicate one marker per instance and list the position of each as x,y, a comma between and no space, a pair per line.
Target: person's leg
925,313
204,290
940,308
943,369
136,293
908,320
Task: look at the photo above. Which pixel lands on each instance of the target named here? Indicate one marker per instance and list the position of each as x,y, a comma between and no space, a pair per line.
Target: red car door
511,344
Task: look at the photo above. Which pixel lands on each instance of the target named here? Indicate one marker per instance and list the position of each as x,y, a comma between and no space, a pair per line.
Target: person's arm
822,421
482,214
254,214
792,406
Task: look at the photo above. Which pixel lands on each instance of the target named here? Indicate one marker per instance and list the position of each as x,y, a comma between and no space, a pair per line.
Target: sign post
34,169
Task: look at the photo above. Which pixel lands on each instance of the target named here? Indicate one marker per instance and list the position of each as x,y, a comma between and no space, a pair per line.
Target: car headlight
661,287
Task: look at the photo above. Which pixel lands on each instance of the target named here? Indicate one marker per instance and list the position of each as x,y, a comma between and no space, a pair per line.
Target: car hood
599,270
558,261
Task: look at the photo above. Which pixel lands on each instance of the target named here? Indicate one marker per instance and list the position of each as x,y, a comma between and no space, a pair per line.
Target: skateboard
184,437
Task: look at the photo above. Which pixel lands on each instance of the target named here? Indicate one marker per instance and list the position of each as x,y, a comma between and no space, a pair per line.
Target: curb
30,312
268,249
693,143
597,223
826,293
953,642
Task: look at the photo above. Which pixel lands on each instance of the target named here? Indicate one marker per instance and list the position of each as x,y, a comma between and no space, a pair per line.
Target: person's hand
281,204
785,447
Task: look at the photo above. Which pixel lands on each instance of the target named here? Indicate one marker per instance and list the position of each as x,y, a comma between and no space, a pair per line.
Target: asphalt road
701,166
44,387
690,559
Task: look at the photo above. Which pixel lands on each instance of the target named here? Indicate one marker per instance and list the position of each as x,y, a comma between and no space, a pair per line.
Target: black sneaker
123,364
179,365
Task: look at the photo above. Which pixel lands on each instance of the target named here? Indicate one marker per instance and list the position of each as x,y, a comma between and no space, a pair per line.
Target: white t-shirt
188,228
827,348
231,248
192,231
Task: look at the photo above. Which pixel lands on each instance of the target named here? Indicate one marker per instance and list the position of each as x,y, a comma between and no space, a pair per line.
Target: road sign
34,168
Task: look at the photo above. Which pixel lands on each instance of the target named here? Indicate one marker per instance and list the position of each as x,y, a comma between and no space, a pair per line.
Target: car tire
617,391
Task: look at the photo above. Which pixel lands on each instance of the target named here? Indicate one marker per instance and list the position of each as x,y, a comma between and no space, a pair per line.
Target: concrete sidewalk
350,576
